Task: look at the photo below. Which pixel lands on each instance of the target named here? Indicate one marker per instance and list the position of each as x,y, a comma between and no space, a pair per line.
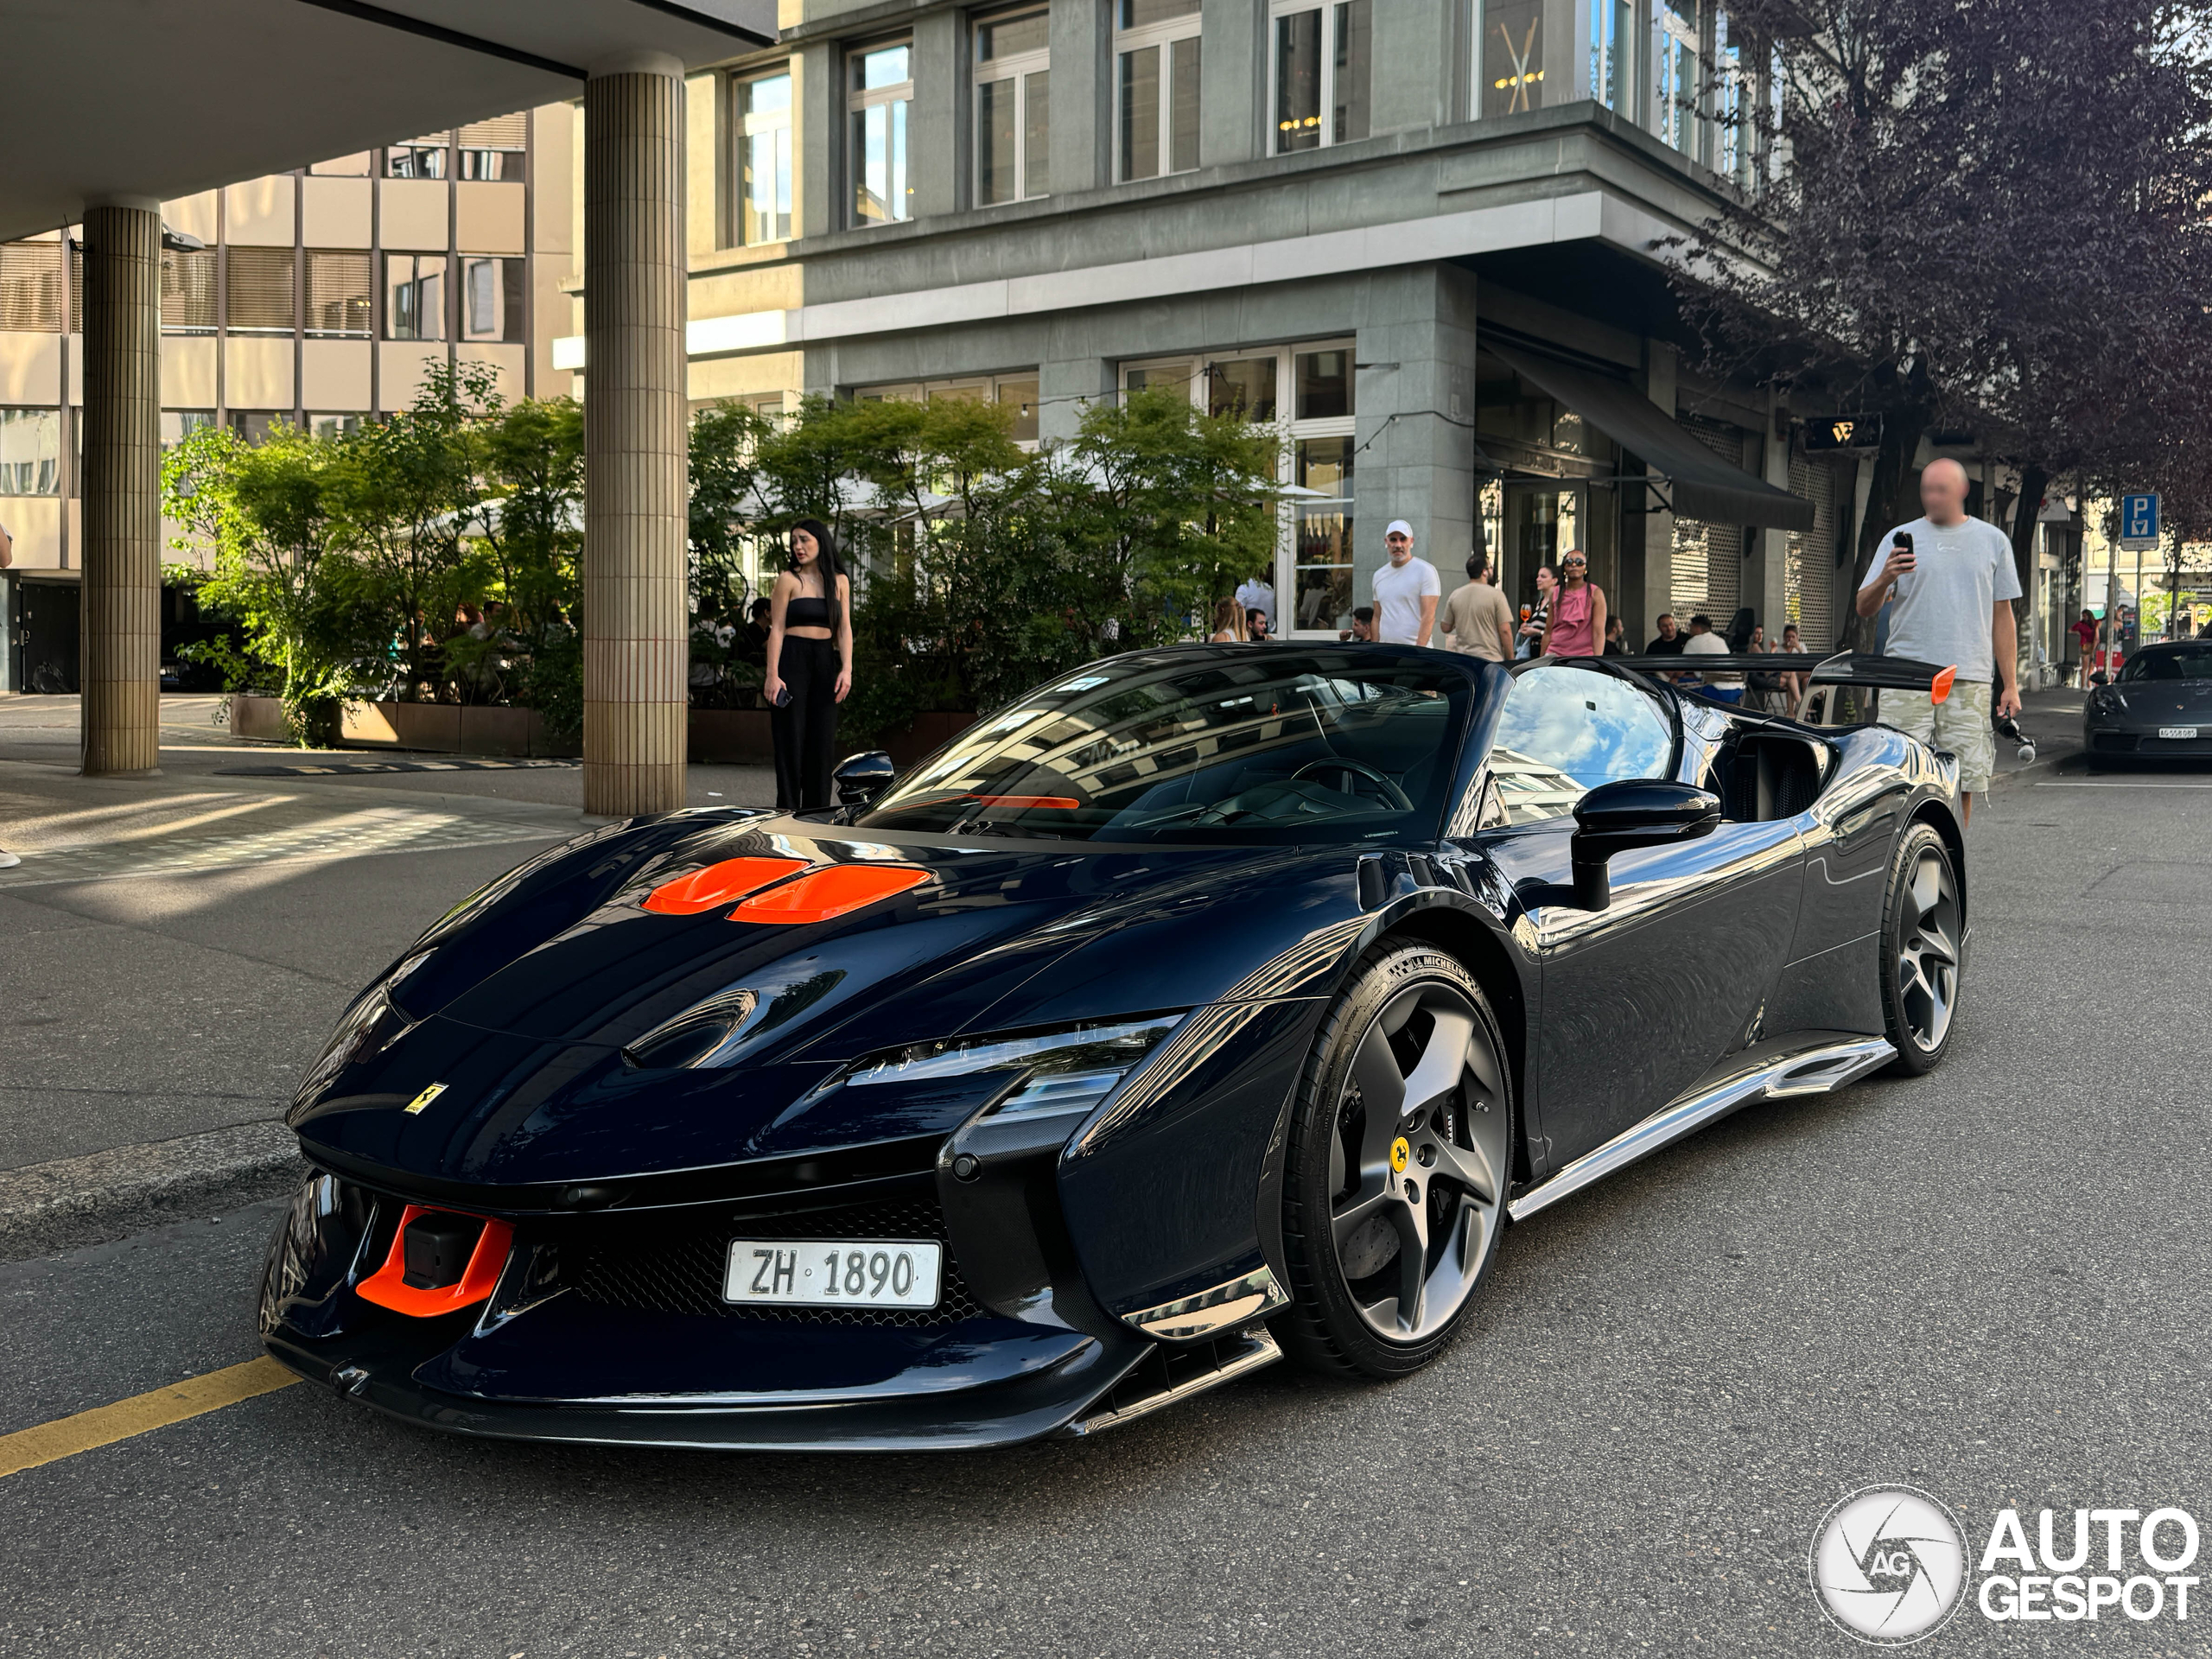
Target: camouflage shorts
1960,724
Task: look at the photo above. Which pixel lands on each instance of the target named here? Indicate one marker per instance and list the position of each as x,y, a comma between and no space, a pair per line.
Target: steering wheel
1394,797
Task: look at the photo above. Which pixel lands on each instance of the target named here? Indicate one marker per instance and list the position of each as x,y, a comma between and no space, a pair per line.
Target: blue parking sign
2139,518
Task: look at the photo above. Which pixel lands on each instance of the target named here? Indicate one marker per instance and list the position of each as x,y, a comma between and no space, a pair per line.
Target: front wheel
1924,928
1400,1147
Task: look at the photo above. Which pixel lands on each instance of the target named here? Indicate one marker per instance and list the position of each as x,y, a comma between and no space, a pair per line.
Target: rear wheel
1401,1147
1923,931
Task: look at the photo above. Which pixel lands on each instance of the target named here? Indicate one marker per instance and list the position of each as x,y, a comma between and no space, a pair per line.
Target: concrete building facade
320,296
1425,238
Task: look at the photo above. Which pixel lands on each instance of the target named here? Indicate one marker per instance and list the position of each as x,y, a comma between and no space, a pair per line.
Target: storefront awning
1693,481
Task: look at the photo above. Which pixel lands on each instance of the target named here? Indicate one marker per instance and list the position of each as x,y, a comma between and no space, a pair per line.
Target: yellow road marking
65,1437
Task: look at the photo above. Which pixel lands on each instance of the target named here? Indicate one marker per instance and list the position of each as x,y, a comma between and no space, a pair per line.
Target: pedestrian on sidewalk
1669,640
1949,582
1362,626
1228,624
1576,624
1257,593
810,665
1406,591
1533,623
1477,619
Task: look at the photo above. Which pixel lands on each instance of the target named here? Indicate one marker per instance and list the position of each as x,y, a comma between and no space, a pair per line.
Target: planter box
261,718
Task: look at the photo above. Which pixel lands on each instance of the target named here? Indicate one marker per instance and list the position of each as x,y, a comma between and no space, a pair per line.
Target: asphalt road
1991,1284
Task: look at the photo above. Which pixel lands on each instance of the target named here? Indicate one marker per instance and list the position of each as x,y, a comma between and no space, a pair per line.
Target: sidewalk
179,947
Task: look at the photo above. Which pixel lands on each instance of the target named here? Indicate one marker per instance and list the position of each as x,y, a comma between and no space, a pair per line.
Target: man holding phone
1951,584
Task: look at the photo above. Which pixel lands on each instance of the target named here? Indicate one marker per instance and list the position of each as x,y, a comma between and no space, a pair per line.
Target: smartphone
1903,545
783,696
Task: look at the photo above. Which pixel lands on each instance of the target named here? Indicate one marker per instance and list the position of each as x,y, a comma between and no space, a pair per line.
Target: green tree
280,567
407,491
530,528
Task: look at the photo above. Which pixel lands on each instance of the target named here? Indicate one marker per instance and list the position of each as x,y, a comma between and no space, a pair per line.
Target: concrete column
1766,573
1234,108
1413,404
636,640
1647,584
1083,95
120,666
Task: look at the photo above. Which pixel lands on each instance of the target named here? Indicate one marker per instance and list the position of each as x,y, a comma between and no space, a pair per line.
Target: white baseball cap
1399,527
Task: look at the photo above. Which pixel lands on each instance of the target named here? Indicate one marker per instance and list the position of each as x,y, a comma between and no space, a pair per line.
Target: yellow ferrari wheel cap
1400,1152
437,1088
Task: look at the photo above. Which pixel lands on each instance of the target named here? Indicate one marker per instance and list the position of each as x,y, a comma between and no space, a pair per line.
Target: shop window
414,296
1156,61
260,290
490,297
1509,62
882,92
1321,74
1242,386
1323,384
339,292
1013,107
764,158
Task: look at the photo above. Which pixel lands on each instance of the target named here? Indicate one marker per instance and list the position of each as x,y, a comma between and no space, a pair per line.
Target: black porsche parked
1205,1004
2159,708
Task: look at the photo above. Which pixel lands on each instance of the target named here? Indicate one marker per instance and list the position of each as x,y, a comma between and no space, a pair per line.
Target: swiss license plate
833,1271
2176,731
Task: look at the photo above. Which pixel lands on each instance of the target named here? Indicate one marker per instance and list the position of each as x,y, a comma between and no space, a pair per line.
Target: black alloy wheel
1401,1147
1923,939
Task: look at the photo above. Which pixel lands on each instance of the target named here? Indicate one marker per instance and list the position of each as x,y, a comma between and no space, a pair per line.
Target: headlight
366,1029
1063,1070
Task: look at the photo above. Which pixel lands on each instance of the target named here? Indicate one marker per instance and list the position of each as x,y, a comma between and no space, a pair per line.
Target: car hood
2157,701
549,1018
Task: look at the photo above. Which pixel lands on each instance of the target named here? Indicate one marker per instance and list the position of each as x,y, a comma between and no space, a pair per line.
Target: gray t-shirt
1941,611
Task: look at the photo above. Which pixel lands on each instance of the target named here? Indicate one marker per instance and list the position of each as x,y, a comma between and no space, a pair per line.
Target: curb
71,1202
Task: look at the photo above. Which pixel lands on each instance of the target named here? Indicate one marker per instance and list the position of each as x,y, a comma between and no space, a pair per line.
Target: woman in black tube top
809,664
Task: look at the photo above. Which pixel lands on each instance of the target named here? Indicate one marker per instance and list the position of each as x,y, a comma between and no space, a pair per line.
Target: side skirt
1815,1070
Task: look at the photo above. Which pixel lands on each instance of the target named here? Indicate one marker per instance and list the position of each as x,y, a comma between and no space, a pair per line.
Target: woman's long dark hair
825,559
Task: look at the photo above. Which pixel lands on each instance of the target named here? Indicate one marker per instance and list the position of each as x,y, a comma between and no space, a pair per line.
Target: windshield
1267,743
2170,663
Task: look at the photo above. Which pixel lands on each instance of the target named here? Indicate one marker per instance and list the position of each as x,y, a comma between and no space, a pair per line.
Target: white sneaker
8,859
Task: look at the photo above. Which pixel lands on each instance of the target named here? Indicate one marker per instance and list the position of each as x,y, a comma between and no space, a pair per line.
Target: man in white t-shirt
1258,594
1704,642
1406,591
1950,585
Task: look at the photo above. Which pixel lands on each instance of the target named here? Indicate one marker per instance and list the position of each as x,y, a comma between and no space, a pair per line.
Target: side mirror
861,778
2101,679
1634,812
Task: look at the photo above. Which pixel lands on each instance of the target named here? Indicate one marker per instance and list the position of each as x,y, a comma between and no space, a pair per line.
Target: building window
493,148
31,451
1675,84
491,298
260,291
1315,560
1612,55
1019,391
1013,107
882,90
188,291
1156,87
1320,73
330,428
1509,63
1735,111
30,288
764,159
178,424
414,296
339,290
253,425
425,158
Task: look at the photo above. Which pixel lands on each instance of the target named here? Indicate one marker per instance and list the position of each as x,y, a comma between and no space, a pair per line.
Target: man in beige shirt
1477,619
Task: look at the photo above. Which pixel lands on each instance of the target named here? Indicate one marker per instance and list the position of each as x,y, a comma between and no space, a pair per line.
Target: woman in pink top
1577,619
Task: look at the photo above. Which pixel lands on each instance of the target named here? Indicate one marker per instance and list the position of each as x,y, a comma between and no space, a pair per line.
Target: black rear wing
1859,669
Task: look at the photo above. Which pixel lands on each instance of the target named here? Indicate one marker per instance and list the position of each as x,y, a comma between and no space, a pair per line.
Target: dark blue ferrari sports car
1204,1004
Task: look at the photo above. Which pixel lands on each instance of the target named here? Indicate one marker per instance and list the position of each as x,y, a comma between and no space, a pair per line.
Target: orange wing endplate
1940,687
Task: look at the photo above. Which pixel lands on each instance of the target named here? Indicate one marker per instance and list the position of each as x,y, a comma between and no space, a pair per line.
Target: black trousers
806,730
